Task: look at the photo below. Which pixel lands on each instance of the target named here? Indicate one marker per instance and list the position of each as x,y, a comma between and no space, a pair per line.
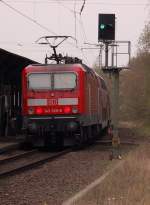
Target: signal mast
106,36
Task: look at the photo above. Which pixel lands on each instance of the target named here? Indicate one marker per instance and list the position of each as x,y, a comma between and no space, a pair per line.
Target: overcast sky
37,18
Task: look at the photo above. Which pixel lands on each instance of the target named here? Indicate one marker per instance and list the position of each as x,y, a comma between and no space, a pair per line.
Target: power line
27,17
75,19
74,12
66,7
83,5
79,1
83,29
32,20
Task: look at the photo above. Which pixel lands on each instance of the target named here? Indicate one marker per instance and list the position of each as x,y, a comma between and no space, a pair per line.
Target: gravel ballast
56,181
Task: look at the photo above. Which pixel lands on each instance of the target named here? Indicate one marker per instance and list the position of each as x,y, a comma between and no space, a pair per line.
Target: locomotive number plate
52,101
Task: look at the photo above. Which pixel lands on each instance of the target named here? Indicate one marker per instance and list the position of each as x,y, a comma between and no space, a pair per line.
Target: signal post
106,35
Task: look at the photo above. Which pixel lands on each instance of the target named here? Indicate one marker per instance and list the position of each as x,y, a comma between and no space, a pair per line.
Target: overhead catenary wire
83,5
66,7
86,59
77,18
32,20
28,17
91,2
34,9
83,29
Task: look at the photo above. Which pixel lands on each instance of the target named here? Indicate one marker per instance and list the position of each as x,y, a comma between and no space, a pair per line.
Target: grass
144,129
141,128
128,185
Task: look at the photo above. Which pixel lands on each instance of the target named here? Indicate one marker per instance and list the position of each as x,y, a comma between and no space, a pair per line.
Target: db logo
52,102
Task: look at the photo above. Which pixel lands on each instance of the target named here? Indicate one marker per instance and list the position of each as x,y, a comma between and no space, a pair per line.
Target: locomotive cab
62,102
51,101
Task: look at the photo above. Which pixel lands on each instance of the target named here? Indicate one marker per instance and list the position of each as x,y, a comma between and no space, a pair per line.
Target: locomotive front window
39,81
64,80
52,81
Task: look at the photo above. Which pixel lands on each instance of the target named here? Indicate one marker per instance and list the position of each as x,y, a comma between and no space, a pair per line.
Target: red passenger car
63,103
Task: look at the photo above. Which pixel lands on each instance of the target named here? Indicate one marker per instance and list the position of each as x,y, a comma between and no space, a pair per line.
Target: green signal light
102,26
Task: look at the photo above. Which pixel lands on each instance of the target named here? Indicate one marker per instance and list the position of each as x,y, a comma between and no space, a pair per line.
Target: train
63,104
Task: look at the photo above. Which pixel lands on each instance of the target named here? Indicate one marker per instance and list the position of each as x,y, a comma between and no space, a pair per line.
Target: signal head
106,27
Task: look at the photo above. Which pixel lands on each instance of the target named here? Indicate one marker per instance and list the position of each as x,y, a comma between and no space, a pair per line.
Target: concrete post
115,113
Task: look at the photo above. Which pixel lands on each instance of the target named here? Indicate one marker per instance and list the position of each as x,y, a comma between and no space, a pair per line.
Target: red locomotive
63,103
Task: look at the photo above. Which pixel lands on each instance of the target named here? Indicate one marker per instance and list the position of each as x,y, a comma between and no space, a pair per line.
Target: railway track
28,160
8,157
19,161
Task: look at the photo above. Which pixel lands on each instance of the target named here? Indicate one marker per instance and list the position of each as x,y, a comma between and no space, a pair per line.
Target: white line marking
83,192
64,117
67,101
40,118
36,102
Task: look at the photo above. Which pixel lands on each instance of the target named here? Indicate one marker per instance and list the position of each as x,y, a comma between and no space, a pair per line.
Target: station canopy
11,66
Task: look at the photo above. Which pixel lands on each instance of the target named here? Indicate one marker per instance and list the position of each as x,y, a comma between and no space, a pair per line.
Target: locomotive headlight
74,110
32,127
30,111
72,126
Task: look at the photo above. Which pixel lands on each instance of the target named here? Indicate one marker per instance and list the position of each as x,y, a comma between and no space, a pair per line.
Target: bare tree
144,40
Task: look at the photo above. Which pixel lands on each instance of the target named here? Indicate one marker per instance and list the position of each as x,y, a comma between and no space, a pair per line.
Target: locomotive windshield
53,81
64,80
39,81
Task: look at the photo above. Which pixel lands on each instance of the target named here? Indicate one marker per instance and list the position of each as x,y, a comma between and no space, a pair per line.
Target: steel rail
17,156
34,164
